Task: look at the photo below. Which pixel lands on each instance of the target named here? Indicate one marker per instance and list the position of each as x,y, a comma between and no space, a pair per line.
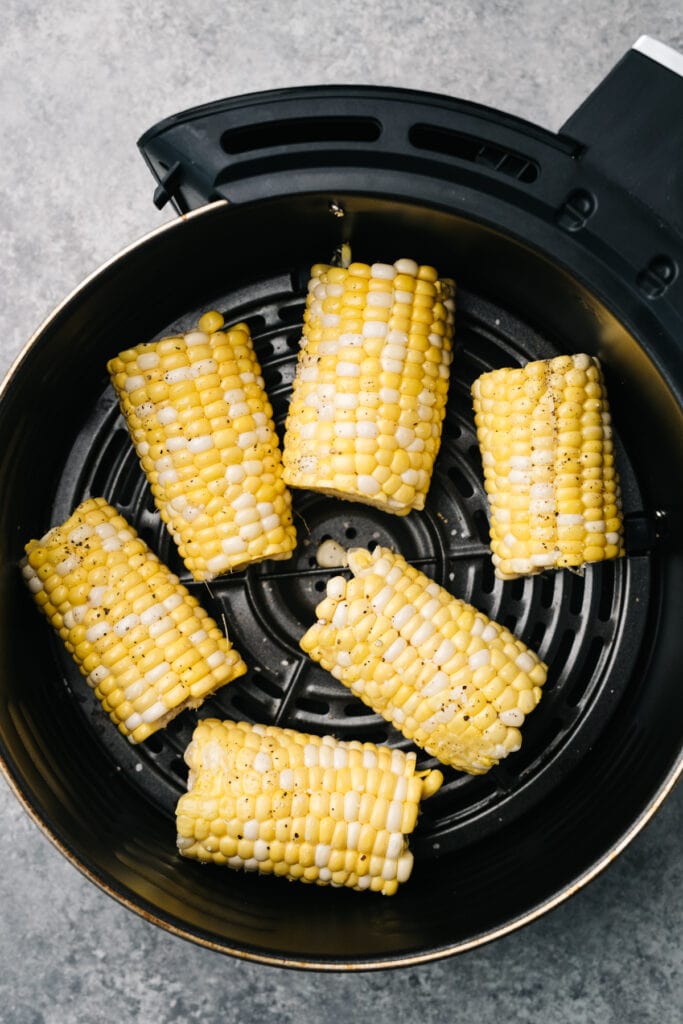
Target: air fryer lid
602,748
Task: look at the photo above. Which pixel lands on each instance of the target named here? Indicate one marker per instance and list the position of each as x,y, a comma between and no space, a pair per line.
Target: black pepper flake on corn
371,384
142,641
545,436
203,429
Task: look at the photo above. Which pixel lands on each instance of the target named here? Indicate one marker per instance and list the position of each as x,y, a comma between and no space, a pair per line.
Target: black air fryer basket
559,243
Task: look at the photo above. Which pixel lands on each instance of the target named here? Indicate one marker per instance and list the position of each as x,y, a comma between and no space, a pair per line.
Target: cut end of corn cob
371,384
203,429
546,443
272,800
451,680
141,640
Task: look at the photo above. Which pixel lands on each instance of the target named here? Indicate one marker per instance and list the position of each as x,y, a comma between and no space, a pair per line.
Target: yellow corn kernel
142,676
327,842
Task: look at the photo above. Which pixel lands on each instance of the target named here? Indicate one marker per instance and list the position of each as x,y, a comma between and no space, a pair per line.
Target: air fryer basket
601,750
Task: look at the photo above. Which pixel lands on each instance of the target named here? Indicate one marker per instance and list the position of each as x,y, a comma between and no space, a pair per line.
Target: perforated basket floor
587,626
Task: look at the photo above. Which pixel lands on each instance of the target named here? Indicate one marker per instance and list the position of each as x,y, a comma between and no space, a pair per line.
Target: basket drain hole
517,589
312,706
575,599
547,591
247,705
155,743
461,482
537,635
606,593
561,656
482,525
355,710
573,697
487,581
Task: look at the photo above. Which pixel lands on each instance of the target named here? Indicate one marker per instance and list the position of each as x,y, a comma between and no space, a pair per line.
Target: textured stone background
79,82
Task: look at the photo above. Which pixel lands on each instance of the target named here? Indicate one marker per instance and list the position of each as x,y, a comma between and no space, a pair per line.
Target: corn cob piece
202,427
370,390
451,680
546,442
141,640
272,800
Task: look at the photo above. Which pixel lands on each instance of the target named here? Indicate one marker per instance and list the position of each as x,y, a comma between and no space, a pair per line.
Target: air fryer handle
631,126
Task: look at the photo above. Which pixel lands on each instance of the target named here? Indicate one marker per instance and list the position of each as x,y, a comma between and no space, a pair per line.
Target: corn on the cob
202,427
450,679
546,442
370,390
141,640
313,808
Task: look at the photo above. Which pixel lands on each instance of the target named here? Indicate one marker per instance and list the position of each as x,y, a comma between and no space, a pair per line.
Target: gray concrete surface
79,81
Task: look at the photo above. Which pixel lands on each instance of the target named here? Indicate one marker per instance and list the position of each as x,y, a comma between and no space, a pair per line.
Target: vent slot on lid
474,150
299,131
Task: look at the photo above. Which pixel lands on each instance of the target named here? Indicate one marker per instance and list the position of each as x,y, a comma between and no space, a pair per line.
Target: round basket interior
492,851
